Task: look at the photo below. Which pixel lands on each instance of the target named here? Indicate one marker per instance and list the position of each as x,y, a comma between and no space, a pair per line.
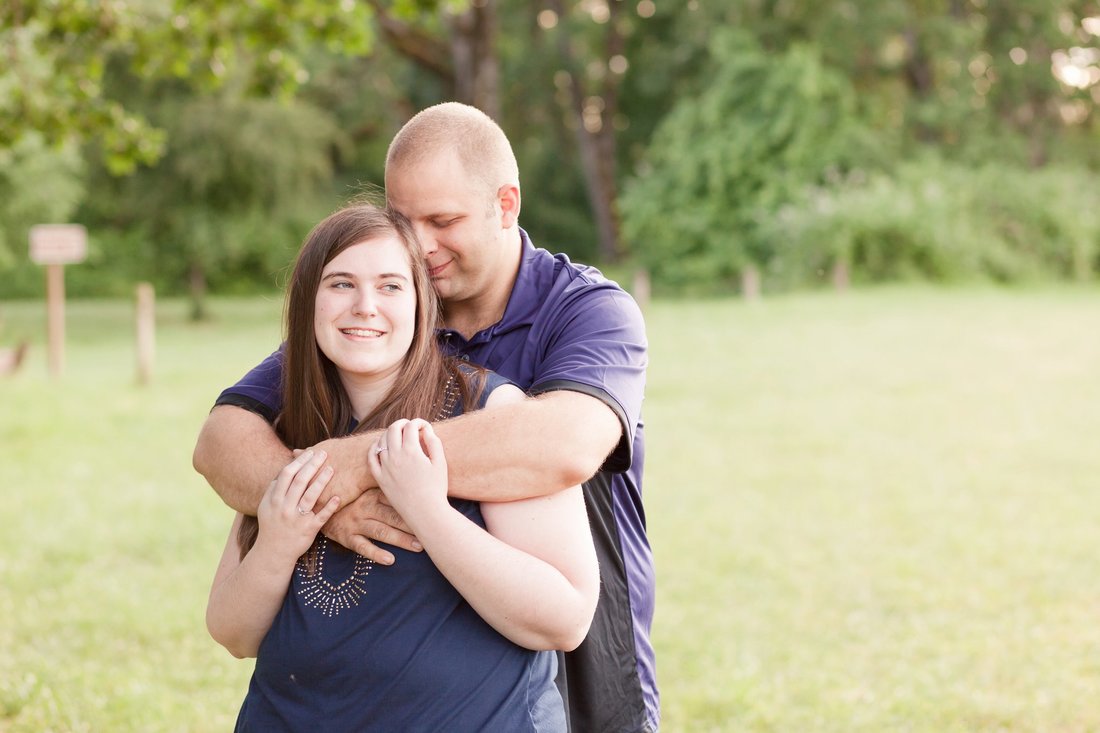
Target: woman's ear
509,199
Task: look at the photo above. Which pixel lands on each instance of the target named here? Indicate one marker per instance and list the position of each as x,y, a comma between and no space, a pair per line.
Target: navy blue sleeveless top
364,647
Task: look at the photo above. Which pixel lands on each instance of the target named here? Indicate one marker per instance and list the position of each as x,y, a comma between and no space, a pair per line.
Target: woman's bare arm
533,575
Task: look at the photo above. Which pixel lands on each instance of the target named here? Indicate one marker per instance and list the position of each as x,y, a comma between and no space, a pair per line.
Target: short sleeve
492,381
259,391
598,346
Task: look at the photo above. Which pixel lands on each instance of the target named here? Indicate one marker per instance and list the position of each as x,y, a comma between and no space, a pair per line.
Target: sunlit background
721,147
866,237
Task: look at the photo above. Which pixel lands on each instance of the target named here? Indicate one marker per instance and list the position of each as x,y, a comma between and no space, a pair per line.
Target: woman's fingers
374,462
433,446
412,434
308,499
403,436
290,471
327,511
392,438
297,475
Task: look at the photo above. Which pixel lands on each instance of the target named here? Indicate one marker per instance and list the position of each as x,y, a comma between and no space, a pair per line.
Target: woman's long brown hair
315,405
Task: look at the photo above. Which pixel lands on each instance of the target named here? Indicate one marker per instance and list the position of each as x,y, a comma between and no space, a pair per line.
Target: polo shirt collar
523,301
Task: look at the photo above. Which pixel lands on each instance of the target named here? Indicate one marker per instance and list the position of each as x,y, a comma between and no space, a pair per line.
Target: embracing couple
454,539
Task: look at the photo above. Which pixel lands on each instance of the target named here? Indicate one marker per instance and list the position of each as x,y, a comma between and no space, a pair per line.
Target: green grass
871,512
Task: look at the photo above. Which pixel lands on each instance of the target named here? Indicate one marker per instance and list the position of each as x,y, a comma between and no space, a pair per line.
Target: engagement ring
302,512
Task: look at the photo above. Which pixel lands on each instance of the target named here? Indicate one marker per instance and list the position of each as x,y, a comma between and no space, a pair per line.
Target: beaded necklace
315,590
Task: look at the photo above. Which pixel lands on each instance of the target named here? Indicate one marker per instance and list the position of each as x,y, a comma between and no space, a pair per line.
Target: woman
440,640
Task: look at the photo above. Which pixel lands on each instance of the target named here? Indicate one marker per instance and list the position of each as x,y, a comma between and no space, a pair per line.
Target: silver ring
379,448
303,513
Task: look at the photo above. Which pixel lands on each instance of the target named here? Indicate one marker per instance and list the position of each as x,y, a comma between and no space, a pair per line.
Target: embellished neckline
317,591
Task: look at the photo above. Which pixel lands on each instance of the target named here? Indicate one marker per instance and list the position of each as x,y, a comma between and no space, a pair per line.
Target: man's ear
509,200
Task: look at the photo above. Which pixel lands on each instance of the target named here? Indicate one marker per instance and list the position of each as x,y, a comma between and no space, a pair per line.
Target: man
572,339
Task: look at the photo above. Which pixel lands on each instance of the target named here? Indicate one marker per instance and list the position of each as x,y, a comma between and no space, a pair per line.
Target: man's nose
428,245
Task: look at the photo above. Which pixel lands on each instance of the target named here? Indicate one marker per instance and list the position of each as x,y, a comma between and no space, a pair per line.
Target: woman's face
365,312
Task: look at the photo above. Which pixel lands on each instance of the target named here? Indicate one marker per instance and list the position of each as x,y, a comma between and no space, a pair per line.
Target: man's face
457,222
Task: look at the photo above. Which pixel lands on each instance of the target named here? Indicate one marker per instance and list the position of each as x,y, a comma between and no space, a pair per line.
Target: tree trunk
197,286
599,181
475,67
594,123
920,79
465,62
425,50
1082,267
918,67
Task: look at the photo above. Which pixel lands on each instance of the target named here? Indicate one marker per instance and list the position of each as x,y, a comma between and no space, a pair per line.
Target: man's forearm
239,454
530,448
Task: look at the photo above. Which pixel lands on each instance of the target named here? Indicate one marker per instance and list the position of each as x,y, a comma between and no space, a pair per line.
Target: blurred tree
1016,80
38,184
590,43
724,161
970,76
580,86
57,52
235,188
51,79
944,221
455,42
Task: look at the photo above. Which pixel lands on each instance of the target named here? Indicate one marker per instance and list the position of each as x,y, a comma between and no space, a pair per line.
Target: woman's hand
288,522
410,467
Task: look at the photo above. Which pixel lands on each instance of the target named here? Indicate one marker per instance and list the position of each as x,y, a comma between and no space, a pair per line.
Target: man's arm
589,385
239,453
531,448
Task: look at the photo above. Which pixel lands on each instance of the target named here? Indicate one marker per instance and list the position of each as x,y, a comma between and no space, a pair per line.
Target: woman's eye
392,288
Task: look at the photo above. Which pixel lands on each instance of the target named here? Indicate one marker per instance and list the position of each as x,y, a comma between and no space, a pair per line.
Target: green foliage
38,185
716,136
963,81
944,222
208,42
51,82
234,194
721,161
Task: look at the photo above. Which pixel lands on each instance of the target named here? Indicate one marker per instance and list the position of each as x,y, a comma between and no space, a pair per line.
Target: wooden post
55,318
750,283
641,287
57,245
146,332
841,278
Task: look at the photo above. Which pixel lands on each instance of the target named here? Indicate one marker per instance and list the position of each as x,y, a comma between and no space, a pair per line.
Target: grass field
871,512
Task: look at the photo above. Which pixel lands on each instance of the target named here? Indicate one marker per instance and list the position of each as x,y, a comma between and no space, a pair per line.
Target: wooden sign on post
146,332
57,245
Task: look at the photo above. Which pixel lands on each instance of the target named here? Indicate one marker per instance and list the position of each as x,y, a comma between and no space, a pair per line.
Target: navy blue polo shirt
568,327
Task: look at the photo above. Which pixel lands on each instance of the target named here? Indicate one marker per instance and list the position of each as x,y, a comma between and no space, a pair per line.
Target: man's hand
370,518
348,458
364,514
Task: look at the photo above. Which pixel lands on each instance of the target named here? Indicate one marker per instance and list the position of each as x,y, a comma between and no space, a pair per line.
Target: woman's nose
364,304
